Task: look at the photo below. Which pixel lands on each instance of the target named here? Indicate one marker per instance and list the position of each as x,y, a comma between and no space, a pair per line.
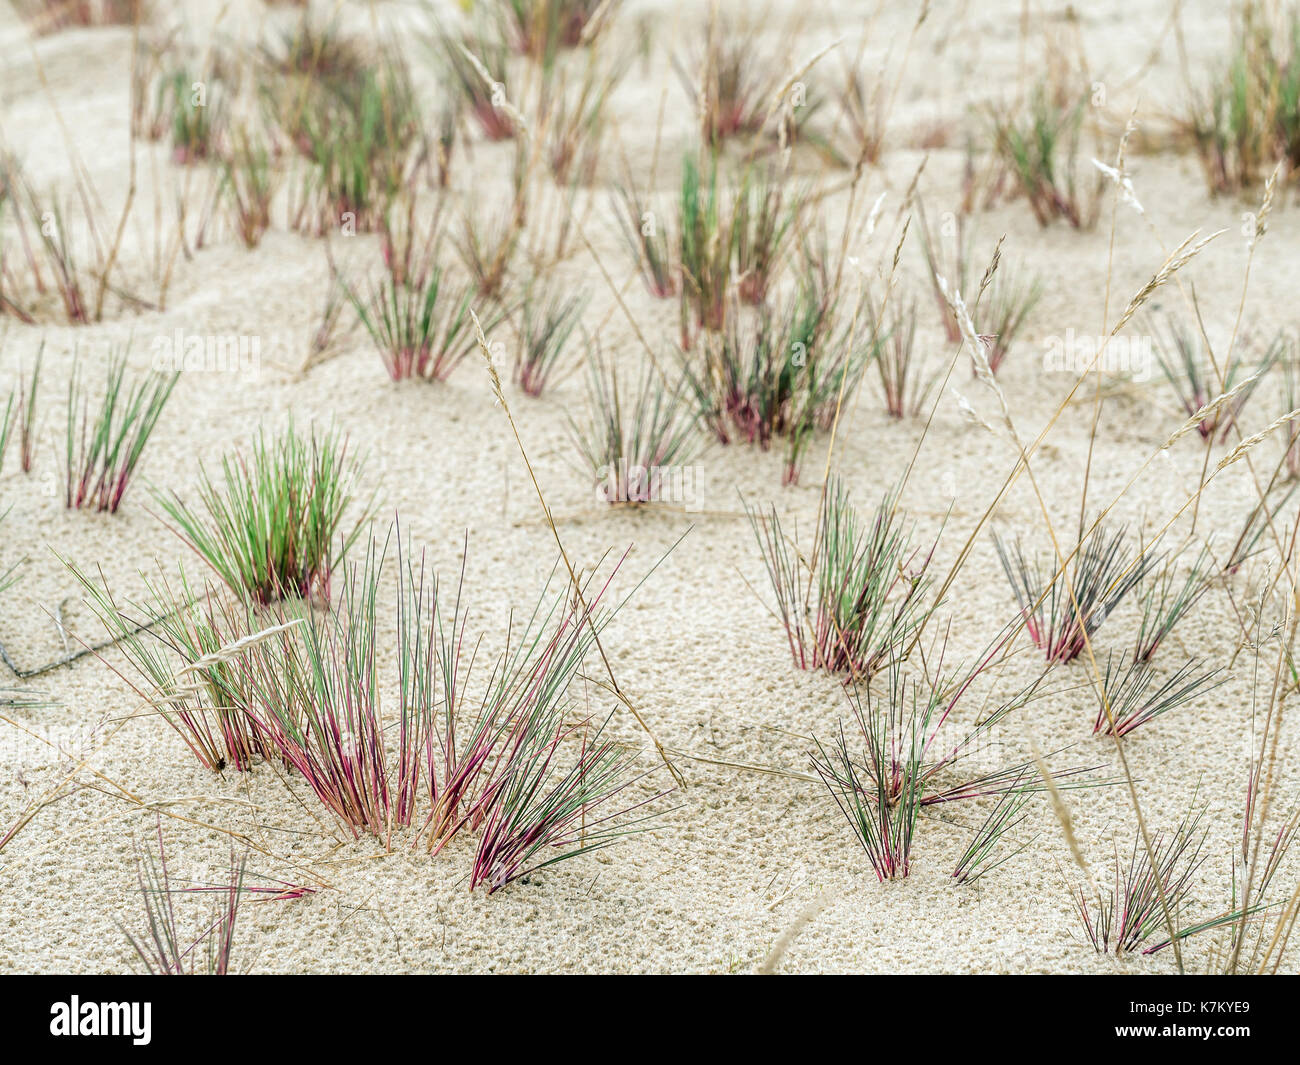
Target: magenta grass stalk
317,700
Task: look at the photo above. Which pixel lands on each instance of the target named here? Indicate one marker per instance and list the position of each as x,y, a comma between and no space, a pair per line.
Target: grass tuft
852,602
1248,114
1189,366
104,444
162,947
650,244
633,450
1038,145
984,852
416,316
273,528
1123,918
1165,602
1135,698
547,321
1103,572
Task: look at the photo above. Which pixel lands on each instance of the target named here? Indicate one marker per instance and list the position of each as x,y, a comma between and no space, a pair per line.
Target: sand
738,855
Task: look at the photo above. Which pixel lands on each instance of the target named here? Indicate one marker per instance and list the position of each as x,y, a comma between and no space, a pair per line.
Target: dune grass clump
474,67
901,381
650,244
1126,915
1062,615
878,790
359,136
1166,601
540,28
197,121
46,245
539,808
1248,114
522,768
448,734
1002,313
525,768
416,315
1200,382
1133,696
986,850
633,449
487,248
69,276
1038,145
511,757
1003,300
162,947
249,180
703,251
419,328
242,684
273,527
763,219
948,258
895,759
105,442
855,597
301,68
557,789
780,375
731,84
719,239
176,641
547,321
1265,511
576,123
314,50
314,694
